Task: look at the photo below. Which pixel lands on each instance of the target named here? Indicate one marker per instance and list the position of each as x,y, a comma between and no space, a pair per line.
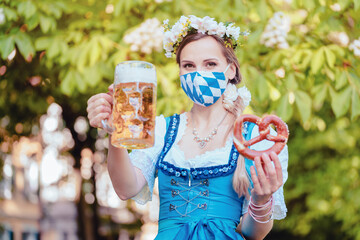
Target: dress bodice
191,197
197,199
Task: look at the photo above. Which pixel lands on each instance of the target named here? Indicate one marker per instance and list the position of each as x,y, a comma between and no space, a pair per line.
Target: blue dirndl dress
198,203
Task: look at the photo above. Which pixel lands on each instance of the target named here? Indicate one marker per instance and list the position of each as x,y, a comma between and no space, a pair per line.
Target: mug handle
106,126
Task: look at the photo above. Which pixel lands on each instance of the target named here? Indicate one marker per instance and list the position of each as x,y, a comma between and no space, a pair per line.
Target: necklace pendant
202,144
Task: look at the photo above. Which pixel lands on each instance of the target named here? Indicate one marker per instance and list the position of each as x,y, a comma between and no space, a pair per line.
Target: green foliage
74,46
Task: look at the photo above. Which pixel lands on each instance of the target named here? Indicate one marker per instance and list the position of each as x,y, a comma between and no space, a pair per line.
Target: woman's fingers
99,108
267,178
261,175
271,173
255,180
111,88
278,167
96,121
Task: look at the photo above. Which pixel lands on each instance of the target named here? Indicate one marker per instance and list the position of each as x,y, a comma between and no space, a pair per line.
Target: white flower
280,72
148,37
340,38
276,30
221,30
245,94
194,21
232,31
335,7
2,16
168,54
355,47
230,92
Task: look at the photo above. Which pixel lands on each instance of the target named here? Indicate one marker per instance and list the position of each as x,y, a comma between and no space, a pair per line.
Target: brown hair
228,52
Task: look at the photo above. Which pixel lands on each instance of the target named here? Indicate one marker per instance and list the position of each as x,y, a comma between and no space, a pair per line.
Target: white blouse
146,159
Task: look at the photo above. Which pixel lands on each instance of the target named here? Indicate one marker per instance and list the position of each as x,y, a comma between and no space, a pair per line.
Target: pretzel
280,140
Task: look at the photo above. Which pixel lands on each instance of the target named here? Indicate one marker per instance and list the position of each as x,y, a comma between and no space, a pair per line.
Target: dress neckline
183,125
192,173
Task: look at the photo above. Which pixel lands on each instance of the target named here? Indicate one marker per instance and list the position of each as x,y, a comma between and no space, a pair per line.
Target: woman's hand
100,107
269,177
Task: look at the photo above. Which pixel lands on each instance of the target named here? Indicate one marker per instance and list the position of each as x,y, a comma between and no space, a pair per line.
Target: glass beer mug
132,122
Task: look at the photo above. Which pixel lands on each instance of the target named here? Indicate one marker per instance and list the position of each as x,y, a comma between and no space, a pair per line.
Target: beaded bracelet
263,206
268,205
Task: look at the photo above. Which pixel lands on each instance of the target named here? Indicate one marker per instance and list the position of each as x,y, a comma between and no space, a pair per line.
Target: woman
205,185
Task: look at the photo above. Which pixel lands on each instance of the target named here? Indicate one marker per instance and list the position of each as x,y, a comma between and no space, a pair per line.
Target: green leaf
33,22
10,14
341,80
318,61
320,92
291,83
355,105
80,83
356,4
47,23
54,48
25,45
330,57
27,8
92,76
340,101
262,88
68,83
284,110
303,103
7,45
261,8
95,52
42,43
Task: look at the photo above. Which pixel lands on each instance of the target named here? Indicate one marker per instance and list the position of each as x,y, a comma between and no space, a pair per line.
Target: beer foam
124,74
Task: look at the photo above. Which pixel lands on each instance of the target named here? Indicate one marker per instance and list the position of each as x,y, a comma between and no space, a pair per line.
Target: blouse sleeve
145,160
279,202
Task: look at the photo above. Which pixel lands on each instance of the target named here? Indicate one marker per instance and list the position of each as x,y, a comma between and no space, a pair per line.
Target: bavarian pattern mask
204,88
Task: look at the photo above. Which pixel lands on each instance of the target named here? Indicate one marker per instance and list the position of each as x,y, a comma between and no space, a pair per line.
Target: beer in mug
134,105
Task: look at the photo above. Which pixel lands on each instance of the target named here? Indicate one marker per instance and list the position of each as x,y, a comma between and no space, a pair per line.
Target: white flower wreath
192,24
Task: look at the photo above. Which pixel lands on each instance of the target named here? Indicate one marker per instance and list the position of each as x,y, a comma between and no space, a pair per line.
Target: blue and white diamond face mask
204,88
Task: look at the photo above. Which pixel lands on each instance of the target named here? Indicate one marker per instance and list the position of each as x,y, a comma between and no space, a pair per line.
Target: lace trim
197,158
194,173
183,121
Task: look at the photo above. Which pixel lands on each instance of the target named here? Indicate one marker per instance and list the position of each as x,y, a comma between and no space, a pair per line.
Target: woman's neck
209,117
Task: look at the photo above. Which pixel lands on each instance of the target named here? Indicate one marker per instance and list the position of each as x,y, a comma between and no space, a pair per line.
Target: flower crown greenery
192,24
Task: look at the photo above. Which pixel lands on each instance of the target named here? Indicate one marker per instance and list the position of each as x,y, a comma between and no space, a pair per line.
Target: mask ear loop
227,68
226,71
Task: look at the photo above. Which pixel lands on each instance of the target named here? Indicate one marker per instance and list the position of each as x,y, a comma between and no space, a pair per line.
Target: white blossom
275,33
355,47
340,38
2,16
147,37
230,93
245,94
335,7
221,30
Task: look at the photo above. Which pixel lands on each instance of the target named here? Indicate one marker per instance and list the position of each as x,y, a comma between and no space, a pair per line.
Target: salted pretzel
264,129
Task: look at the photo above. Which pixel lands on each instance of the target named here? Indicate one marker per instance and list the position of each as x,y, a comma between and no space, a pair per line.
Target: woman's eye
188,65
211,64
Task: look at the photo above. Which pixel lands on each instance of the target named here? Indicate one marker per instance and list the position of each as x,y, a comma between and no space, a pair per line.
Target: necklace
203,141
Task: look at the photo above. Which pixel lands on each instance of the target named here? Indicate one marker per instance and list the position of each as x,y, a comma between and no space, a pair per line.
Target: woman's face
204,54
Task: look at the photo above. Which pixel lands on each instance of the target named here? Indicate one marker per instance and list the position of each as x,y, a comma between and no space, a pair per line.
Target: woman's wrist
261,213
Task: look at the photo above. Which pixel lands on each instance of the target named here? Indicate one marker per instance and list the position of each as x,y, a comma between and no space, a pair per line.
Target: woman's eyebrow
211,59
186,61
